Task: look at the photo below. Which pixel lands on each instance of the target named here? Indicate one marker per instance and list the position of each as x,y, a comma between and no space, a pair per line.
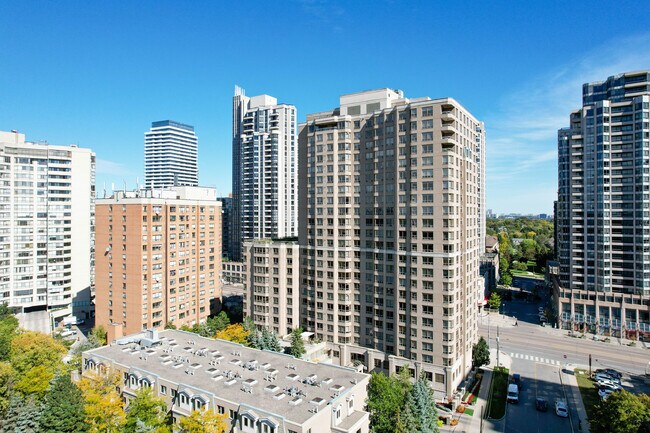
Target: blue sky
98,73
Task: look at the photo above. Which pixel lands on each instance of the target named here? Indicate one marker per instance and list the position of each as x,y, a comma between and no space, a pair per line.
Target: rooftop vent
235,361
217,377
293,376
326,381
230,382
279,396
310,380
266,365
271,388
295,401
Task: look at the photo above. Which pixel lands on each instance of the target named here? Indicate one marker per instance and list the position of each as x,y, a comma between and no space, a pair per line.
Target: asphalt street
539,380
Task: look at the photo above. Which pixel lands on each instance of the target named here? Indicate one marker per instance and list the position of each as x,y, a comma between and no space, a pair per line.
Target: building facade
392,215
258,391
159,258
47,217
603,209
170,155
272,296
226,226
265,170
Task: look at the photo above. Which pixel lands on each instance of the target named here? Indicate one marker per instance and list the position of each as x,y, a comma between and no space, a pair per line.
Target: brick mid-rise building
159,258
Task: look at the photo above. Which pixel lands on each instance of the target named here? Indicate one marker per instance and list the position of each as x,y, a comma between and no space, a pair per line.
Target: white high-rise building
265,171
170,155
47,217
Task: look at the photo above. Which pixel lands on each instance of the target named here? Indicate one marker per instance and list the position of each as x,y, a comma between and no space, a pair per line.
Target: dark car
541,404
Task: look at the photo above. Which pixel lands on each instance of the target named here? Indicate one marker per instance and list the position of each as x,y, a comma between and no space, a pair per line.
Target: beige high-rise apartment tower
158,259
392,217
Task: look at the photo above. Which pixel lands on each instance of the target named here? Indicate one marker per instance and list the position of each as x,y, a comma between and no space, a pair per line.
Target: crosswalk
534,358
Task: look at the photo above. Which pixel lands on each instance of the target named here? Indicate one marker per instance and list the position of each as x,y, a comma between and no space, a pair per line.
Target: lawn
517,273
588,391
498,393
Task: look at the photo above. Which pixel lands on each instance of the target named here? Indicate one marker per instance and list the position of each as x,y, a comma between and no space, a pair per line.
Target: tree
99,333
34,381
424,406
63,411
5,386
622,412
386,398
408,417
235,333
528,248
271,341
264,340
297,344
217,323
480,353
30,349
206,421
103,404
170,325
22,416
8,330
494,301
146,412
506,279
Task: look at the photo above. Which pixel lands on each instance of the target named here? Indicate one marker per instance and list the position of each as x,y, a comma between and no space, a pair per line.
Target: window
163,389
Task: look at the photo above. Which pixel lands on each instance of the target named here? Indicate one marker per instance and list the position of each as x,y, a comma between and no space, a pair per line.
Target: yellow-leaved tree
203,421
104,408
235,333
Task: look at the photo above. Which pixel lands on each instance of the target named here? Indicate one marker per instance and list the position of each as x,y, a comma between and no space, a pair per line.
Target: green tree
63,411
297,348
506,279
528,248
30,349
8,330
503,265
424,406
22,416
408,417
146,412
386,398
494,301
271,341
622,412
206,421
170,325
480,353
218,322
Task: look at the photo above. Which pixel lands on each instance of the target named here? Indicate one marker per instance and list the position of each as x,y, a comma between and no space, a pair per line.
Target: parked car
608,386
603,378
609,372
516,379
513,393
602,374
541,404
561,409
604,393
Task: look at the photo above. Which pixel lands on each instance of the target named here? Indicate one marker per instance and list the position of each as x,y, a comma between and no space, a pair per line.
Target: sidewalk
471,424
509,321
574,399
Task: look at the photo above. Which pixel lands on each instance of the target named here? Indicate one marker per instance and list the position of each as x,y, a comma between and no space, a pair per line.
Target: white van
513,393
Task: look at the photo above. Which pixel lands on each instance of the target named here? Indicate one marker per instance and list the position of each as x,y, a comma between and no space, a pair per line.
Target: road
532,340
539,380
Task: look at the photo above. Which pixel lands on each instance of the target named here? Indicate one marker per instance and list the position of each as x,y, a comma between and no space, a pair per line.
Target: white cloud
104,166
522,131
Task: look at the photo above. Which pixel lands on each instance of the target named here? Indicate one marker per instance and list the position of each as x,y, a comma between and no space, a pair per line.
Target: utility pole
498,364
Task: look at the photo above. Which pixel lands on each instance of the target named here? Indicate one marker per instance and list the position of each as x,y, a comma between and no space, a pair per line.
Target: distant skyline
97,74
